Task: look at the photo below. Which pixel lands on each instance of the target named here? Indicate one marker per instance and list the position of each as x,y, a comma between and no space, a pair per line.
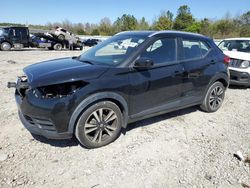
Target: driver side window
161,51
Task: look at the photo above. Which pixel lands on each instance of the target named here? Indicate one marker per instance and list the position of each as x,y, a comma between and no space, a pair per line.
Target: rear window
193,49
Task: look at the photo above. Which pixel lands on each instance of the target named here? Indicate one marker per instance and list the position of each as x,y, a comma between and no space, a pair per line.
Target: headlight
244,64
58,90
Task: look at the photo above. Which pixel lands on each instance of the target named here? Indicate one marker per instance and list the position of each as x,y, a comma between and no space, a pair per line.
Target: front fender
97,97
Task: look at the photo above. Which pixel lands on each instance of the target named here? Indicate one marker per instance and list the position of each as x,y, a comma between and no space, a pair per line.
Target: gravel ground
186,148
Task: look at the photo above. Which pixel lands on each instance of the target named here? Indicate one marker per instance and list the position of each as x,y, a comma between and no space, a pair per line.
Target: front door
158,87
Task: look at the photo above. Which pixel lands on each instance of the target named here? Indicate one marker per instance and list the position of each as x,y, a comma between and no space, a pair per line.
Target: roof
240,38
156,33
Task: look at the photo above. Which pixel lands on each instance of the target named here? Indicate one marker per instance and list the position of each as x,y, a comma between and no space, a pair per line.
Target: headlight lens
244,64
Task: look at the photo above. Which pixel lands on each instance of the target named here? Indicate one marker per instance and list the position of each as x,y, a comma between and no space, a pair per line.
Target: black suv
96,94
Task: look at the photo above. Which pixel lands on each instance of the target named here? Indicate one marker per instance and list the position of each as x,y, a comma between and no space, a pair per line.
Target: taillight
226,60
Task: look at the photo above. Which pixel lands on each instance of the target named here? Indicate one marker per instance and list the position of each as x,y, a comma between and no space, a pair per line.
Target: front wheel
5,46
99,125
214,97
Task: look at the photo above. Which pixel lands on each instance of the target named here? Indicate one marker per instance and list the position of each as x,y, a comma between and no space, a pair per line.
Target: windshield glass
113,51
235,45
3,31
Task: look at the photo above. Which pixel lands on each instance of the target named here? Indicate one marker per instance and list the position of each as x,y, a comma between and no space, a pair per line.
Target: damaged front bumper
45,117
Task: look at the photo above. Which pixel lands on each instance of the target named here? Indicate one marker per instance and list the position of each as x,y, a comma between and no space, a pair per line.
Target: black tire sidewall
79,131
206,106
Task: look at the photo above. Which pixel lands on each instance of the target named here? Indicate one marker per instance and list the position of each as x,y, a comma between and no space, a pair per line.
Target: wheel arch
110,96
221,77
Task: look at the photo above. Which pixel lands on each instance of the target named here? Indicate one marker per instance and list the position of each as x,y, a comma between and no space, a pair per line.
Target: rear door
196,57
159,87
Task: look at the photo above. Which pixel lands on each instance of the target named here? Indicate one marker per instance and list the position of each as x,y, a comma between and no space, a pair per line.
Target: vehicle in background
50,41
91,42
238,49
14,37
94,95
62,34
19,37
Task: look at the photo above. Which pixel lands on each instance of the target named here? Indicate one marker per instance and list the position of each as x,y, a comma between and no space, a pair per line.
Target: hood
238,55
60,71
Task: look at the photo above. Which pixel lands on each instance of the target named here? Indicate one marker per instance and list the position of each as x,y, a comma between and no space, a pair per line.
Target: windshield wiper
86,61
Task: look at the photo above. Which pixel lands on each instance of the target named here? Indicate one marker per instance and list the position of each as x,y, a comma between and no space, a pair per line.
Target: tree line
237,26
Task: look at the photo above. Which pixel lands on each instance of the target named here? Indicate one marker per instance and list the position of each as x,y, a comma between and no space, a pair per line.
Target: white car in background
238,49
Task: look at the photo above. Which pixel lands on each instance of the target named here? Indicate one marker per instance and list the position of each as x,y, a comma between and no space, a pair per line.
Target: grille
41,123
235,63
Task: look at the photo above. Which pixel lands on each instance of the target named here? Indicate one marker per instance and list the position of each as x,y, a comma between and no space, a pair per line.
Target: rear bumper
240,77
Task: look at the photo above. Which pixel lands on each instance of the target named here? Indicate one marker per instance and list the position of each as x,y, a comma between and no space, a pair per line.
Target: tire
214,97
99,125
5,46
57,47
61,37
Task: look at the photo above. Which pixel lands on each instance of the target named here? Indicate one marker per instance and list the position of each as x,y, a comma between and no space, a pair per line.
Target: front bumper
37,129
239,76
43,118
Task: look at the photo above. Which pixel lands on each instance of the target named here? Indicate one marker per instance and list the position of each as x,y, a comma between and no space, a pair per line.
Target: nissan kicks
95,95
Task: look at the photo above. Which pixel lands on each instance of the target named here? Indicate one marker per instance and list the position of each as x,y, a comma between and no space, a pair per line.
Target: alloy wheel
216,97
100,125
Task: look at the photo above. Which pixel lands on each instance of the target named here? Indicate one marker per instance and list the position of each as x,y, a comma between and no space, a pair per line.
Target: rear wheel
57,46
214,97
5,46
99,125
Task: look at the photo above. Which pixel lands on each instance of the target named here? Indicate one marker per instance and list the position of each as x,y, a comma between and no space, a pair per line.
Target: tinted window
161,51
191,49
204,48
194,49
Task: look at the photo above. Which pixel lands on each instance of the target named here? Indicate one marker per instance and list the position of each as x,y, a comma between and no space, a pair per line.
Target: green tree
143,24
184,18
195,27
105,27
95,32
224,27
164,21
125,23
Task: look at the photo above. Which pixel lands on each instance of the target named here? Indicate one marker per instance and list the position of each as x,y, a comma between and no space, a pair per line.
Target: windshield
235,45
113,51
3,31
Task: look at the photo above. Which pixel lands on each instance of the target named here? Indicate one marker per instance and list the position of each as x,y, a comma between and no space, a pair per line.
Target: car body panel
140,93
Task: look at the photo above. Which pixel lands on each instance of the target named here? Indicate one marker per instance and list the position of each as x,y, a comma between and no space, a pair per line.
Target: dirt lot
187,148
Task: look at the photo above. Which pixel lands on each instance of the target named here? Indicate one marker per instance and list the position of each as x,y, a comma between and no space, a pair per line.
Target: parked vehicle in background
20,37
96,94
47,40
14,37
238,49
91,42
62,34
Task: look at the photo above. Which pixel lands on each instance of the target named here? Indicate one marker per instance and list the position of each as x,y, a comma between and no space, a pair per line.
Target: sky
44,11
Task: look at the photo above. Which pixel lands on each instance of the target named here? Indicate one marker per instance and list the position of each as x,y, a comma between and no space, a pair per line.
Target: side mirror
143,63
